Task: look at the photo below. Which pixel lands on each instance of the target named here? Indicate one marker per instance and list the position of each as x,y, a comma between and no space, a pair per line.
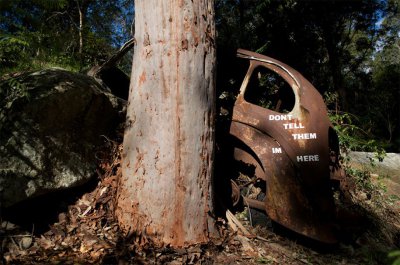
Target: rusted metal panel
290,151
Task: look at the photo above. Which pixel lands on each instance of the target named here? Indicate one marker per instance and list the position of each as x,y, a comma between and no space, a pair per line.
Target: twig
262,239
236,224
16,236
231,223
248,209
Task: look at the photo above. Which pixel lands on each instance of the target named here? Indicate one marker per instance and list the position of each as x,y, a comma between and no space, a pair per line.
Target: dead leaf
25,242
45,243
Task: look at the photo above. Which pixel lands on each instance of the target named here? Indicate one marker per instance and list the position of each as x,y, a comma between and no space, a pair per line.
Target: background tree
165,191
383,107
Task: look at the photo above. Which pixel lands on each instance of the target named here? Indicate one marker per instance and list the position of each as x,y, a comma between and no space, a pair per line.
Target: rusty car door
289,150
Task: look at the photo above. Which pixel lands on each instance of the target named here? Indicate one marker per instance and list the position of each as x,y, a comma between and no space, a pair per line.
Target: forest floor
83,231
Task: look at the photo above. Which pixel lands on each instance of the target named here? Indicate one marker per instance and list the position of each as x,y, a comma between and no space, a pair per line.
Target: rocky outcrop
389,168
51,122
390,165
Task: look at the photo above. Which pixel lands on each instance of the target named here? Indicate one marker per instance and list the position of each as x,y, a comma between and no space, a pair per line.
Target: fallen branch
236,225
113,60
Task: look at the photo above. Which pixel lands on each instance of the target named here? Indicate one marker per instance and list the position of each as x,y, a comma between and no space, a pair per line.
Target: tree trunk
164,193
80,29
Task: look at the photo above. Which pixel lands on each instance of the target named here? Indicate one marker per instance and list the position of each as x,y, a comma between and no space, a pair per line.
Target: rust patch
184,44
146,39
139,161
165,88
142,78
156,162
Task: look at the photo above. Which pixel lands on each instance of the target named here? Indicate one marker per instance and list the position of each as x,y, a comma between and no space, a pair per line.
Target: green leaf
395,253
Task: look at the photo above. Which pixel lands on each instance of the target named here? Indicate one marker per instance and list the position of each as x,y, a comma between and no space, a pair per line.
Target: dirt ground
82,230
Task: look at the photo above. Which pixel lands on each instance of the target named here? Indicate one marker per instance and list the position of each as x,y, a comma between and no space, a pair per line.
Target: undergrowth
370,191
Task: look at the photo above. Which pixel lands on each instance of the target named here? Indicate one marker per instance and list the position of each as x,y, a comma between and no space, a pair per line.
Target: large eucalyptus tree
165,191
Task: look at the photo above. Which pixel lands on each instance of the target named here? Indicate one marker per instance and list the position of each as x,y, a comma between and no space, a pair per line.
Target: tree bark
164,193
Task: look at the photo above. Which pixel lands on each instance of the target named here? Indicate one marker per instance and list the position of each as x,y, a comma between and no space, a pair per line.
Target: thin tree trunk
80,30
165,190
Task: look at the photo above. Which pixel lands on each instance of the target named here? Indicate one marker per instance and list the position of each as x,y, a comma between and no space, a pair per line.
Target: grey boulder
51,124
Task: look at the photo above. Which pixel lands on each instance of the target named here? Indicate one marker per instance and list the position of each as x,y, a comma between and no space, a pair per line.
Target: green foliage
395,256
351,136
10,90
15,89
39,33
12,50
262,260
372,188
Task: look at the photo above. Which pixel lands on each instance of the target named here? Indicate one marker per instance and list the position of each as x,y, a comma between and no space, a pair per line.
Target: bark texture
165,191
